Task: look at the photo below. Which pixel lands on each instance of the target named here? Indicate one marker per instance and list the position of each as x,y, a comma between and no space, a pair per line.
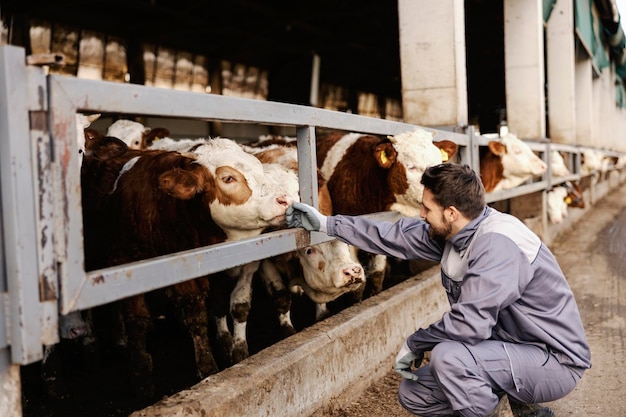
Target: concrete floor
593,257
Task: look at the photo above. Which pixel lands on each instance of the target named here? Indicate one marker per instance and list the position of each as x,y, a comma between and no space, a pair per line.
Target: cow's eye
411,167
309,251
228,179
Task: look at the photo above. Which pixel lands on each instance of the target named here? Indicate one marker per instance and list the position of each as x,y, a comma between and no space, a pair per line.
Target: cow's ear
497,148
448,149
385,155
183,184
103,147
156,133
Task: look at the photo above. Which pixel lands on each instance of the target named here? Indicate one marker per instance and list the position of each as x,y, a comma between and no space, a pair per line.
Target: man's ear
452,213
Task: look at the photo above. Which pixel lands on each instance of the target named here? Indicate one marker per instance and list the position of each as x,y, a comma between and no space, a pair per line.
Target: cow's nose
76,332
284,200
353,274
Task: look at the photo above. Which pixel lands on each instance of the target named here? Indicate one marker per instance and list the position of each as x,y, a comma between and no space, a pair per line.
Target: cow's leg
91,347
51,373
190,303
240,304
138,321
277,290
321,311
376,269
219,305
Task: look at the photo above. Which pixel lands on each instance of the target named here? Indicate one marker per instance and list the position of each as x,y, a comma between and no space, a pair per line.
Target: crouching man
513,332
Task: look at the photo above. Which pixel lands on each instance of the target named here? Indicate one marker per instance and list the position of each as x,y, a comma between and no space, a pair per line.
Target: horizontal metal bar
111,284
516,192
103,96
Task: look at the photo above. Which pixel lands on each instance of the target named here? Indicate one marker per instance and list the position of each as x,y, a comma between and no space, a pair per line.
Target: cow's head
246,199
508,163
519,160
414,152
129,131
557,163
83,121
557,206
329,270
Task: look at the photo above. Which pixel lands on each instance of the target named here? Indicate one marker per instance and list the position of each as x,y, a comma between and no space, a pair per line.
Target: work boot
503,408
529,410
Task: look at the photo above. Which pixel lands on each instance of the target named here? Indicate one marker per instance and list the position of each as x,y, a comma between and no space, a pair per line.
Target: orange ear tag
444,155
568,200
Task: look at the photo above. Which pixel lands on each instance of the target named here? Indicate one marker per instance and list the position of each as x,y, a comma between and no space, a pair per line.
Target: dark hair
456,185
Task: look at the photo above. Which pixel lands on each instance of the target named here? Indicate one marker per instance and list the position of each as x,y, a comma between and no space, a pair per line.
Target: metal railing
41,207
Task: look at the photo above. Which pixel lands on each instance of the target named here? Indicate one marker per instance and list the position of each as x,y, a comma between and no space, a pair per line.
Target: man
513,332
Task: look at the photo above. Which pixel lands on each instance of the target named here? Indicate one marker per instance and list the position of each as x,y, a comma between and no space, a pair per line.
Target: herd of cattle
145,194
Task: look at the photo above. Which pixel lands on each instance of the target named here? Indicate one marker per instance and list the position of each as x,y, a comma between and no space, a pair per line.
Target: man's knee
448,356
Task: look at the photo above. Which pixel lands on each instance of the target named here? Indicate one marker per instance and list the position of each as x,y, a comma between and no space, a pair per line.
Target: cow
135,134
142,204
71,327
591,162
324,271
575,197
557,164
371,174
557,206
83,121
507,163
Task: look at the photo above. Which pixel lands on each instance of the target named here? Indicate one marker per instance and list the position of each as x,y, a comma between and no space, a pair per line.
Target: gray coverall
513,326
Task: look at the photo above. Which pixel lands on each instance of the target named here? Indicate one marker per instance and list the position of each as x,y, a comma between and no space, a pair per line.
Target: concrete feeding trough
309,370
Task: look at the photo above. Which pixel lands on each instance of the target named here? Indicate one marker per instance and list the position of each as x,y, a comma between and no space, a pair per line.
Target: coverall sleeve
405,239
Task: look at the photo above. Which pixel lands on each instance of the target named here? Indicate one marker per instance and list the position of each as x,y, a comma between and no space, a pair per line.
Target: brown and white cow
507,163
141,204
370,174
324,271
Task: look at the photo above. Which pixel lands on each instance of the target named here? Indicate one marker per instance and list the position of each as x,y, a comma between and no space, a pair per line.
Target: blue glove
303,215
405,359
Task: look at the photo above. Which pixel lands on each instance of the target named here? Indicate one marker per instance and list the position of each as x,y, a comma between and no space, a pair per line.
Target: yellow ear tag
156,138
568,200
444,155
383,157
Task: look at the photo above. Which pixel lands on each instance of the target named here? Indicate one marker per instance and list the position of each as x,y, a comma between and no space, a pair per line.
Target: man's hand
405,359
303,215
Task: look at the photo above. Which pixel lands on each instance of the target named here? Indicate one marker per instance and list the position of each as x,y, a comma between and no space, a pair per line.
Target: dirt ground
592,255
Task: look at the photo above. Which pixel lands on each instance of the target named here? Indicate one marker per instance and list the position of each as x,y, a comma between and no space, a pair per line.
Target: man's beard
440,233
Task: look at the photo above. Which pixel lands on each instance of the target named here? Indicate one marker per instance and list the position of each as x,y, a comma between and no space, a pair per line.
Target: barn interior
353,47
355,43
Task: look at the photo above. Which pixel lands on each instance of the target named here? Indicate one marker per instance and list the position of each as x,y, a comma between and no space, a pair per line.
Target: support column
432,56
584,100
561,73
524,68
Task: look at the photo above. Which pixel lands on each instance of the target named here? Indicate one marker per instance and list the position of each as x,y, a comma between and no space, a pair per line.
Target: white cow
592,162
557,164
557,206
